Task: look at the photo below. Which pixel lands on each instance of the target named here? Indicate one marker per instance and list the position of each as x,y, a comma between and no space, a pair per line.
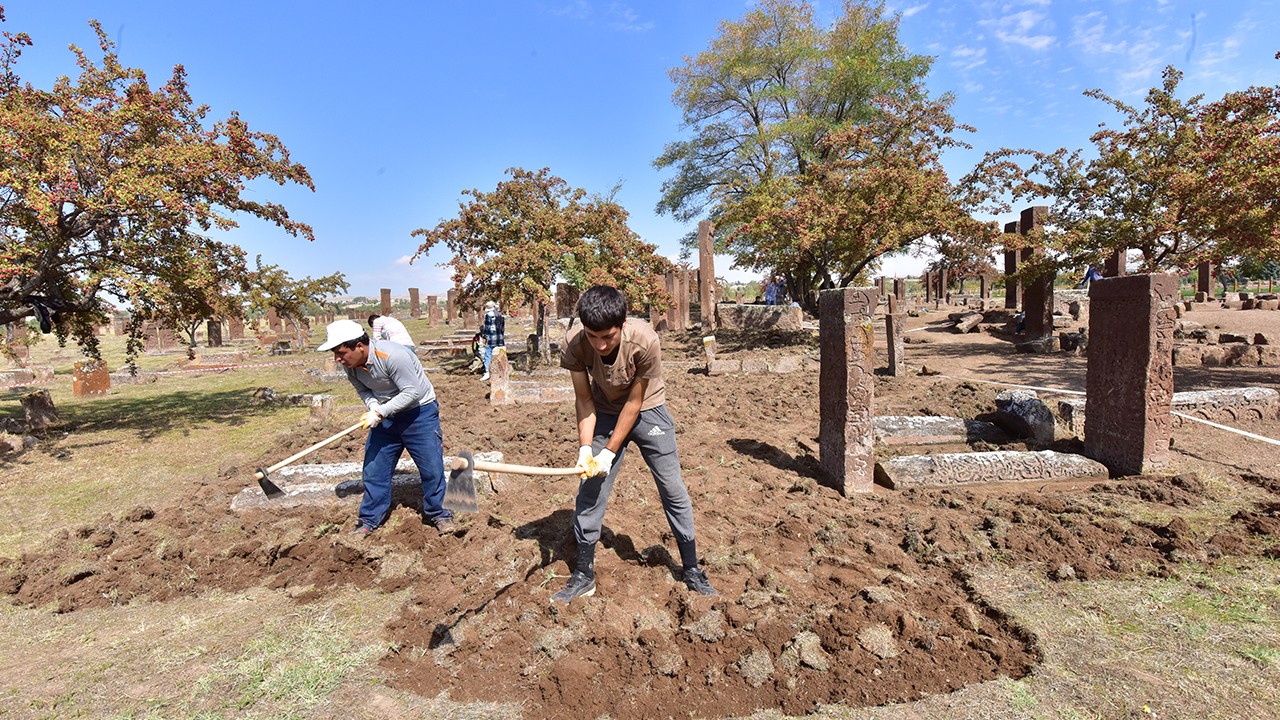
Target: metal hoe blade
460,490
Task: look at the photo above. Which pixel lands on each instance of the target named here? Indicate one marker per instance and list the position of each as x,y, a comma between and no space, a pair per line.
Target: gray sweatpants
655,436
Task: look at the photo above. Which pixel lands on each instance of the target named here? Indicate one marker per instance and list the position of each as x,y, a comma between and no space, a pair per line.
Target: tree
513,243
880,189
104,181
1181,182
271,287
198,295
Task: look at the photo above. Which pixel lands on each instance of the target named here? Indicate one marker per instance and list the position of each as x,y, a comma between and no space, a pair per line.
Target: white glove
601,463
369,419
584,458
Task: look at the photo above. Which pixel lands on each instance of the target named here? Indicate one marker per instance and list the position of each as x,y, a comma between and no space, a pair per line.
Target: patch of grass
1264,655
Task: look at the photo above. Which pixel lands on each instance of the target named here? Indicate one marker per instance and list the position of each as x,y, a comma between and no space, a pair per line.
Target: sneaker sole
589,593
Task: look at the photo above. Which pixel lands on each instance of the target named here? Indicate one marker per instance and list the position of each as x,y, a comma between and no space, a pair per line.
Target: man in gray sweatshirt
403,415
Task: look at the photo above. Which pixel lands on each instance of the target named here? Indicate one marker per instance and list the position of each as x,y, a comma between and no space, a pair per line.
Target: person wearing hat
493,331
403,415
386,327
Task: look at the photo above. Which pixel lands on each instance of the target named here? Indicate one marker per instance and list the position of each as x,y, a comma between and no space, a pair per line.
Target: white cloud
1016,29
623,17
968,58
914,9
402,260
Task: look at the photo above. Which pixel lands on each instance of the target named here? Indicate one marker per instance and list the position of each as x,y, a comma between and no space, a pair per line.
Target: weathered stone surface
1130,371
968,322
1001,466
567,300
1263,339
499,377
1073,342
1038,346
846,387
755,364
38,410
1269,304
1226,338
90,378
334,483
786,364
895,341
934,429
720,367
759,317
1269,355
1184,355
1023,414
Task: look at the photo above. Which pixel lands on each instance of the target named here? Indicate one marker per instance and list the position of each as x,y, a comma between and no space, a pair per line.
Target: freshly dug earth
823,599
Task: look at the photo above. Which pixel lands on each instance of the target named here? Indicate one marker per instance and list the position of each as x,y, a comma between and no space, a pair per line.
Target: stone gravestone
1012,290
386,300
235,329
1130,372
415,309
657,318
90,378
433,309
38,411
1204,282
273,321
895,340
451,306
900,290
672,285
846,387
566,300
499,377
684,282
213,333
1037,296
706,274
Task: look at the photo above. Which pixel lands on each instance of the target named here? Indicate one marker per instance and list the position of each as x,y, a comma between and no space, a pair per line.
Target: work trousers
416,429
655,436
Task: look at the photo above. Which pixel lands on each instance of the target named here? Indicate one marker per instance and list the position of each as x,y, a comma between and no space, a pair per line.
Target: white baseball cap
340,331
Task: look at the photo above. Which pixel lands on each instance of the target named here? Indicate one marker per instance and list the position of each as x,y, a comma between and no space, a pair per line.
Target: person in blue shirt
493,332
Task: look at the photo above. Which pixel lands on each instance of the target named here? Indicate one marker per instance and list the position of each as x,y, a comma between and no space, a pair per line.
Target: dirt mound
824,599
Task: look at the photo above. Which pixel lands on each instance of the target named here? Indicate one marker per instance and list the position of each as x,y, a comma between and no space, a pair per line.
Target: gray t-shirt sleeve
407,377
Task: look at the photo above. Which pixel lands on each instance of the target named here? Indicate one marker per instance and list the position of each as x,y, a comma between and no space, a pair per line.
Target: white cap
490,305
340,331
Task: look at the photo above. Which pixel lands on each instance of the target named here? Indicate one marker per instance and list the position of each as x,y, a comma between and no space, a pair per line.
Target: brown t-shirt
639,356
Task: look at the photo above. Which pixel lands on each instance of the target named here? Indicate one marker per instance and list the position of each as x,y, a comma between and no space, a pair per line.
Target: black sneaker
362,530
579,585
696,580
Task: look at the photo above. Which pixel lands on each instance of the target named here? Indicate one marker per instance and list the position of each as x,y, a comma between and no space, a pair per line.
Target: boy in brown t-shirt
616,365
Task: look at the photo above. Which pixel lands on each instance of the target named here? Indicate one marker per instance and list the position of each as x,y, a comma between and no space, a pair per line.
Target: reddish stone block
846,388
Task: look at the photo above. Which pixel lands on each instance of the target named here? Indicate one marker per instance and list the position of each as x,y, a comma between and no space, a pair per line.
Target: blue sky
395,108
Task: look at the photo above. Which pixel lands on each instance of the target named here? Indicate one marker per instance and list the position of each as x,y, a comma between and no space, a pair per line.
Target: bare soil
823,599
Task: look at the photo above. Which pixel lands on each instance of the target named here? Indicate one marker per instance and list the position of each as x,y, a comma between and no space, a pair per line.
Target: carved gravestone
846,387
566,300
1037,296
1130,371
707,274
1204,281
685,284
235,329
38,411
1012,290
90,378
451,306
386,300
213,333
433,309
499,377
672,284
894,322
900,289
415,308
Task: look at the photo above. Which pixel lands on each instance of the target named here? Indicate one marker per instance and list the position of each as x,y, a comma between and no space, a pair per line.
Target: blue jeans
488,356
417,430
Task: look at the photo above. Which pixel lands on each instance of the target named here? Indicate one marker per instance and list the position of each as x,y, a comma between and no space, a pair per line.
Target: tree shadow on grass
154,415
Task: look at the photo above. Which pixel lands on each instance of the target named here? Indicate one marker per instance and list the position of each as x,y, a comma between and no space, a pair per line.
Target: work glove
584,458
600,464
369,419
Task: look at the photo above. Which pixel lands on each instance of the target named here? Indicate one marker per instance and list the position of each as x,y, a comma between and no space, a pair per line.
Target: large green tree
105,182
270,287
514,242
815,149
1181,181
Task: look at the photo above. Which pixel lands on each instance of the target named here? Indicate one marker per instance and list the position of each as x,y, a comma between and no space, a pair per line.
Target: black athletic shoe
579,585
696,580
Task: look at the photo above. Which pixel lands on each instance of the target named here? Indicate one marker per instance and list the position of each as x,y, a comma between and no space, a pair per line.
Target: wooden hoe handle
461,464
261,475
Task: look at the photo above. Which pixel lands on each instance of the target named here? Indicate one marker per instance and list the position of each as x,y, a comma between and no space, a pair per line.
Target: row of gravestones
1129,379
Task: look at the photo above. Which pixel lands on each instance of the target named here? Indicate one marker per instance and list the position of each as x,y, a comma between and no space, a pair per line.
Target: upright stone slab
846,387
433,309
1130,371
451,304
894,339
707,274
1037,297
1012,289
499,377
119,325
213,333
273,321
686,297
1114,264
943,295
90,378
900,290
566,300
415,310
928,286
235,329
386,301
673,310
1204,279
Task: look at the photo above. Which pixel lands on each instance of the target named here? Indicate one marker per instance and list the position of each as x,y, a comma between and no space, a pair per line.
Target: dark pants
417,430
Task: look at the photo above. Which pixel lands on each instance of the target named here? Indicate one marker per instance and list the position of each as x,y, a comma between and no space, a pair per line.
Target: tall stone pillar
897,348
1129,381
433,309
943,285
1204,279
707,274
386,301
1114,265
415,310
900,290
657,318
1012,289
213,333
1037,298
846,387
686,296
451,307
673,310
984,287
273,321
928,286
